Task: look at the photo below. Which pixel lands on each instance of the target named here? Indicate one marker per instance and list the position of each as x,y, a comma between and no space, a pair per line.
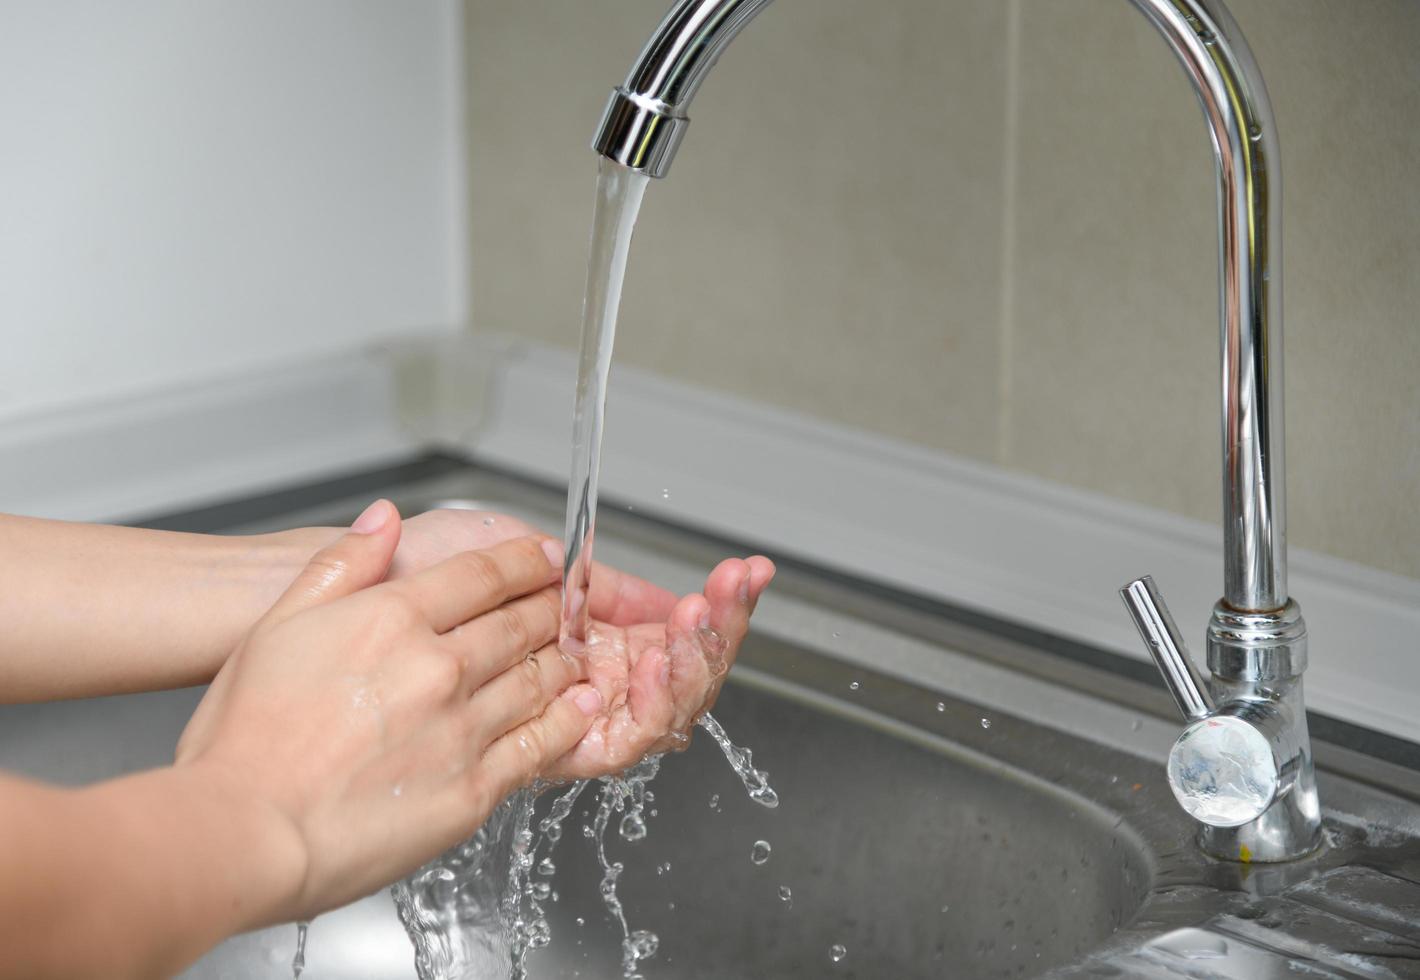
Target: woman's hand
657,678
379,724
617,598
658,663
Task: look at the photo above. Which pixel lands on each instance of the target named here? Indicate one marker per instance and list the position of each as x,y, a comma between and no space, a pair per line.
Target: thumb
356,560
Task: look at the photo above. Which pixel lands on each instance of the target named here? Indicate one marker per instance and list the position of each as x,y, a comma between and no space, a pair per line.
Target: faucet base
1257,660
1289,830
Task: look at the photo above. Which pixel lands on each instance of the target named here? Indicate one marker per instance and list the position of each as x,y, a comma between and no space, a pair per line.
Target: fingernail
589,701
705,620
552,548
372,518
744,587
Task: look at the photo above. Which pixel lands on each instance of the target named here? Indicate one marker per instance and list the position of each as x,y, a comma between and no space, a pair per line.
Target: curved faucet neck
646,120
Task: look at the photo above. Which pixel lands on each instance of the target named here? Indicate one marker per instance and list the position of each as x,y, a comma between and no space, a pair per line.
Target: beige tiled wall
987,226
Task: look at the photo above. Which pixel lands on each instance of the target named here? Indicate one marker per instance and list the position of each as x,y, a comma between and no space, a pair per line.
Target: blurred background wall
986,227
191,191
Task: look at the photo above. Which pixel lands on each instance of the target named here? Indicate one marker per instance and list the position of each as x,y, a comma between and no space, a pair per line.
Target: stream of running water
479,909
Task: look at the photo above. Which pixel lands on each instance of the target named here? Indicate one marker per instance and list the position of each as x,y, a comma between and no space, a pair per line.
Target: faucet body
1256,639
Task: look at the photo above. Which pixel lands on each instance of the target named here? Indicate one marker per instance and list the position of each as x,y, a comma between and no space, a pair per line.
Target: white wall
200,189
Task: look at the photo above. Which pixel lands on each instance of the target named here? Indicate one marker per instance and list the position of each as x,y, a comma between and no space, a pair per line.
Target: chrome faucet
1243,766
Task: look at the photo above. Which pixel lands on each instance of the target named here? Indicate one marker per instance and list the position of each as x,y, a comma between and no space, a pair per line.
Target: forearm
135,877
91,609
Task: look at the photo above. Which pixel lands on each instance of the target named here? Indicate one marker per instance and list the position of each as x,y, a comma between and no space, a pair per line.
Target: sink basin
953,815
918,858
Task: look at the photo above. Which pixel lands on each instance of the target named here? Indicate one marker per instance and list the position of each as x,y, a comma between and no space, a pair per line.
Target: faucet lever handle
1161,636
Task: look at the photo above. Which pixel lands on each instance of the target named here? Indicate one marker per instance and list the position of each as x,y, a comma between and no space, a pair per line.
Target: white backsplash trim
1008,544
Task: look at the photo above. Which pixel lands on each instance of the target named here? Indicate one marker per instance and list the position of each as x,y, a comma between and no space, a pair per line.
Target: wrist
170,862
281,555
261,852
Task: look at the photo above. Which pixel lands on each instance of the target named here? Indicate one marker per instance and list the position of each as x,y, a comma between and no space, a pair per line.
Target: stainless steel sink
954,803
918,857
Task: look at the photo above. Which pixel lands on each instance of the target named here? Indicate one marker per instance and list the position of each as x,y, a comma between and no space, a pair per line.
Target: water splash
625,793
523,902
742,762
478,910
453,907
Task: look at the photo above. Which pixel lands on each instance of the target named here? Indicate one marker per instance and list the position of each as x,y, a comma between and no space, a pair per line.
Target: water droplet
986,723
765,796
714,801
642,945
663,869
488,522
633,828
1254,132
1135,725
946,909
785,895
540,890
546,867
836,952
671,906
836,634
665,494
941,706
1207,37
580,921
854,686
539,933
760,852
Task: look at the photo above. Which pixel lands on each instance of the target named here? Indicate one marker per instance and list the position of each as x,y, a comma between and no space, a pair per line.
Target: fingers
696,658
728,592
762,572
499,639
705,633
523,691
624,600
473,582
530,749
649,697
358,559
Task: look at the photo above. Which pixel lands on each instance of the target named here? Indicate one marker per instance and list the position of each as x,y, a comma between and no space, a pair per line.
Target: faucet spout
645,119
1256,638
645,122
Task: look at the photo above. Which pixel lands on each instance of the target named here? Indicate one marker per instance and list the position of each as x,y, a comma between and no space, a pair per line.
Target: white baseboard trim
217,440
1011,545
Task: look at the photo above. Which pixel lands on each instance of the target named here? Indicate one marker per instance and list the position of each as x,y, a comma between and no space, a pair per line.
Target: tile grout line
1006,301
